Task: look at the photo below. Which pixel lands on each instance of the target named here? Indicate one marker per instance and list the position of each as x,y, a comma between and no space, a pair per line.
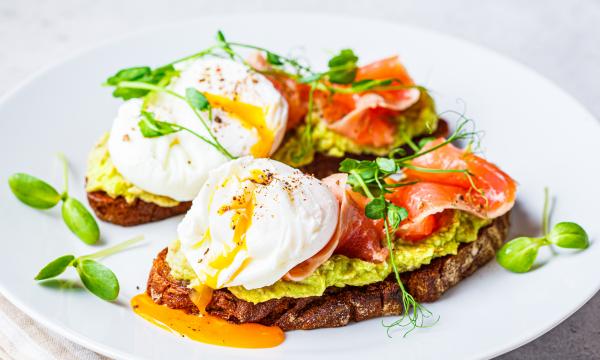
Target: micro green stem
215,141
546,212
409,142
151,87
65,168
362,184
408,300
113,249
293,62
196,55
455,136
434,171
396,185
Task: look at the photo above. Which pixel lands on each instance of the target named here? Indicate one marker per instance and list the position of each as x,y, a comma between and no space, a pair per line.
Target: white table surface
560,39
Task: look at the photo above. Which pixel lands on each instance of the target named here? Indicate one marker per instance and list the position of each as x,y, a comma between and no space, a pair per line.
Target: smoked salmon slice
486,191
367,118
356,236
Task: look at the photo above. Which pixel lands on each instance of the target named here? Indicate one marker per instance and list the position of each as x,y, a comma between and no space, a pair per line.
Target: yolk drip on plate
250,117
206,328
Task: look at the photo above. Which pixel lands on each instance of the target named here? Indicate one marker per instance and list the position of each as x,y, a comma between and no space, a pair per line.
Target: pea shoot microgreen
369,179
41,195
97,278
519,254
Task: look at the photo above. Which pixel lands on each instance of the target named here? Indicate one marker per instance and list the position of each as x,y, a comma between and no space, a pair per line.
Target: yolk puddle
206,328
250,117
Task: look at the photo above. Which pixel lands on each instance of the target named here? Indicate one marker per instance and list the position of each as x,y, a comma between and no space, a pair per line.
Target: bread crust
338,306
119,211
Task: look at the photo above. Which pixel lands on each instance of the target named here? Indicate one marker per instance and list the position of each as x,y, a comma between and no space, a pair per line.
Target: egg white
177,165
294,216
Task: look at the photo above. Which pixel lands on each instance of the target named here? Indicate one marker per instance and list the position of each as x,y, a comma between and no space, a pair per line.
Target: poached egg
248,117
253,221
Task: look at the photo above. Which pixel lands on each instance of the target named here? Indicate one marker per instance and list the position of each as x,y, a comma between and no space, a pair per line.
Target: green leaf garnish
387,165
80,221
129,74
395,215
197,99
151,127
568,235
40,195
274,59
97,278
55,267
376,209
33,191
342,67
142,74
518,255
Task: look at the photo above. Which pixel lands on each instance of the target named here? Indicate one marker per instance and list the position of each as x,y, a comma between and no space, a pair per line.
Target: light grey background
560,39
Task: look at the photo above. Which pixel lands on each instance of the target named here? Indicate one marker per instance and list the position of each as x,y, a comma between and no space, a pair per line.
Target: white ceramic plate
533,130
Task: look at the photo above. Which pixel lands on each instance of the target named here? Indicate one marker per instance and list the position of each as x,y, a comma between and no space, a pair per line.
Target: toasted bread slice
338,306
119,211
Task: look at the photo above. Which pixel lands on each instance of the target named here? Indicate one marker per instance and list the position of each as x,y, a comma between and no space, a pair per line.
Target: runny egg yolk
243,208
250,117
206,328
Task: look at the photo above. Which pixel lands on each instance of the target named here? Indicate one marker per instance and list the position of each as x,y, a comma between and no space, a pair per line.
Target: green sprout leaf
348,165
33,191
129,74
568,235
274,59
518,255
386,165
98,279
55,267
151,127
221,37
395,215
142,74
222,42
375,209
342,67
197,99
80,221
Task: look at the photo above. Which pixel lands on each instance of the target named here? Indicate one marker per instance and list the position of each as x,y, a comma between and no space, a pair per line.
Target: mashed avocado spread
102,175
419,119
341,271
